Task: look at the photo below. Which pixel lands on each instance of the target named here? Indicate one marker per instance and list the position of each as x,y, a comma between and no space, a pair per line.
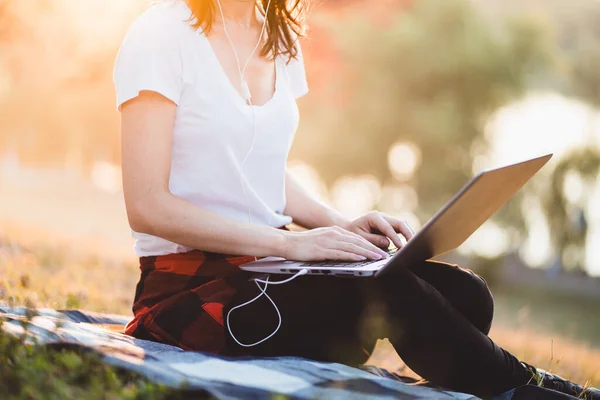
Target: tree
430,78
580,34
567,216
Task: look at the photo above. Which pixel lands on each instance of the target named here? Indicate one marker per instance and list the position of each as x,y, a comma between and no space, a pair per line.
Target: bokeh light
354,196
403,159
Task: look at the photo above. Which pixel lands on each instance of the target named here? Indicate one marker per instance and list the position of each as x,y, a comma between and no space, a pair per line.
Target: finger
399,226
385,228
359,240
341,255
350,247
380,241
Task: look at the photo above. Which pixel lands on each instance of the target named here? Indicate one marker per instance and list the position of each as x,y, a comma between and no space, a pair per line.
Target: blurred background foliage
428,79
402,95
423,82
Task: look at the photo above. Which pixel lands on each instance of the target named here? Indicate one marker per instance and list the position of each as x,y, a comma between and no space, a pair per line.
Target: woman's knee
465,290
483,303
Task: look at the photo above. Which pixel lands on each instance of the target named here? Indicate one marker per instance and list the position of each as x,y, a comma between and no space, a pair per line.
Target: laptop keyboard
344,264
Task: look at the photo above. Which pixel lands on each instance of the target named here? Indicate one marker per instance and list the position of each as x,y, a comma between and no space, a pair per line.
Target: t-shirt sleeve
297,74
149,59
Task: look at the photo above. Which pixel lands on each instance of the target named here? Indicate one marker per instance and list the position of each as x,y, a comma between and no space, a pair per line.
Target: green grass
33,371
567,315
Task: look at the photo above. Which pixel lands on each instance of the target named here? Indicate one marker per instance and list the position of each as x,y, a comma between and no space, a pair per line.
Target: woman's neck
240,12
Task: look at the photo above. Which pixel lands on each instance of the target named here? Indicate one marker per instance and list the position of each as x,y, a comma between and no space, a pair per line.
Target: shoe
551,381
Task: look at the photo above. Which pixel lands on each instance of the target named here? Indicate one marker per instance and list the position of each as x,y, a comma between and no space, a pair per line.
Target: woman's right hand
330,243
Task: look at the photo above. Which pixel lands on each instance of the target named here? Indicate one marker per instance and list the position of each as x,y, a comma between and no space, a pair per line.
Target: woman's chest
250,75
213,117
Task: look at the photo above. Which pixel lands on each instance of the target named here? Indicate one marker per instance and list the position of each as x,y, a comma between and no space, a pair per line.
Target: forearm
174,219
307,211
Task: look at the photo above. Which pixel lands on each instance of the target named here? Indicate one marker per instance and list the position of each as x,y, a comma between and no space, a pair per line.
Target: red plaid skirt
180,298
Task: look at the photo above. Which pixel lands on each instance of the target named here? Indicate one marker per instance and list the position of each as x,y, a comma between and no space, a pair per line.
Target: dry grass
57,276
60,277
572,360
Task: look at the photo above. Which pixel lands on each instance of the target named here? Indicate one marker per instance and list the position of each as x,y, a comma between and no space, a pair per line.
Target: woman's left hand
379,228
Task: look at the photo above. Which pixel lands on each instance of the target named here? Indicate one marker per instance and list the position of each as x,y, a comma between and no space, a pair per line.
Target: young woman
207,90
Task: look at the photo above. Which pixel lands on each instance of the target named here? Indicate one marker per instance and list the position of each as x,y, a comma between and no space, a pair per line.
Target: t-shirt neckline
227,82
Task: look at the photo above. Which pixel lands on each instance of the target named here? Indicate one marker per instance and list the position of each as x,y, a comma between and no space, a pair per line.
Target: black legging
436,315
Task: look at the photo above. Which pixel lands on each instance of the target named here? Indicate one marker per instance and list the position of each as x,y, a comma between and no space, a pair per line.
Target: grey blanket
222,377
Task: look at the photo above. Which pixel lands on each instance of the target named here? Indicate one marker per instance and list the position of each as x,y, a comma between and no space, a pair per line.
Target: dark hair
285,23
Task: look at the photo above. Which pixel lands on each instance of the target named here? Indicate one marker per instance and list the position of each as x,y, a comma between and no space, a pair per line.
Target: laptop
451,226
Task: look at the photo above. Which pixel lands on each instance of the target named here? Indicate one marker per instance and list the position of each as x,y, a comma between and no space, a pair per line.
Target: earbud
246,91
242,70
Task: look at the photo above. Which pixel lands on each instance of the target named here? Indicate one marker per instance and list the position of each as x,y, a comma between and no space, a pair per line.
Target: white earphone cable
263,291
245,91
248,99
242,71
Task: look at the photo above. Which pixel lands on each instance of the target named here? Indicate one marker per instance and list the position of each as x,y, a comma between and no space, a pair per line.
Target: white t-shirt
213,124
